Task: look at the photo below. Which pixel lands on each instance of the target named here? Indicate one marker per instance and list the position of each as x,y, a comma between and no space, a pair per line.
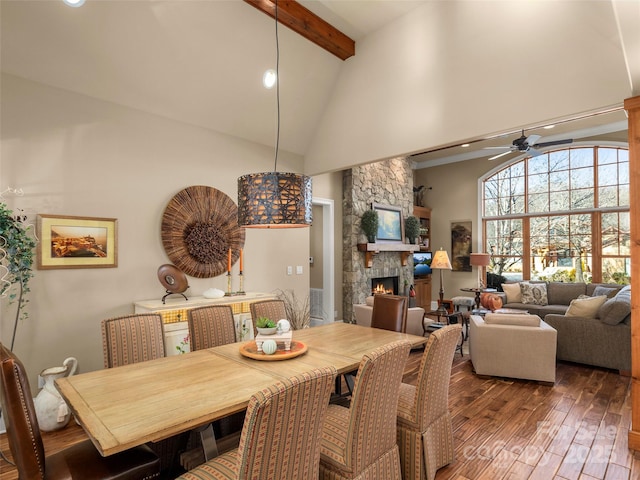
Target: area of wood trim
309,25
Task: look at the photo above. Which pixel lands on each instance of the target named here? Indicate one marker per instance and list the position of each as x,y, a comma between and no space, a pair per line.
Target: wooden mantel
632,106
371,249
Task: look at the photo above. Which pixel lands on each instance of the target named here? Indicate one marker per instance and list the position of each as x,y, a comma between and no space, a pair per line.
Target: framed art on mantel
77,242
390,223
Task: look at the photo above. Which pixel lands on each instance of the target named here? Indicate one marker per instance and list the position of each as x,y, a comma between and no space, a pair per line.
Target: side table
478,291
459,318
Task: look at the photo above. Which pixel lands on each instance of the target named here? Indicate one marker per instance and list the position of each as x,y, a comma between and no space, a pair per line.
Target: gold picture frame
77,242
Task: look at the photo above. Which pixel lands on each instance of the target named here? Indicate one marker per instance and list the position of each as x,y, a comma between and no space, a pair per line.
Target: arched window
560,216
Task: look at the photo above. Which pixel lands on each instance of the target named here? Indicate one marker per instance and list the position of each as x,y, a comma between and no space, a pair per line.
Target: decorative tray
250,350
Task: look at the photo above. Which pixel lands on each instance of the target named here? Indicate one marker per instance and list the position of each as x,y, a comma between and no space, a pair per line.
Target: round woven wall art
199,226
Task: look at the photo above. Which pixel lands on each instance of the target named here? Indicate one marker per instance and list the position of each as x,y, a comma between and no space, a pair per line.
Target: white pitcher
52,411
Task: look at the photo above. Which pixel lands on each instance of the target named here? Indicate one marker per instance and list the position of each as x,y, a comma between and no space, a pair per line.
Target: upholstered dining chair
211,326
132,338
79,461
280,437
359,442
425,434
390,312
272,309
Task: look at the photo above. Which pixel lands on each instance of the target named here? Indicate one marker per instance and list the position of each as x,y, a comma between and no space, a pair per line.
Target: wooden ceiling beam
309,25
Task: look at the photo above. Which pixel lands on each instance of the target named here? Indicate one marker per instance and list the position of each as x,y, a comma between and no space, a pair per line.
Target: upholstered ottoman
462,301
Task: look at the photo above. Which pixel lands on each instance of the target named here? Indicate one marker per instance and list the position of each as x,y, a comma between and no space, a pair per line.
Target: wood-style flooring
512,429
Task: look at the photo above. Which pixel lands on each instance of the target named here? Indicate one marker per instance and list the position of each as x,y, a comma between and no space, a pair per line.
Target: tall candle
241,259
229,261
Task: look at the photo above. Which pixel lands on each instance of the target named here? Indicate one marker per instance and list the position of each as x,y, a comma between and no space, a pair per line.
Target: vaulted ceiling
201,62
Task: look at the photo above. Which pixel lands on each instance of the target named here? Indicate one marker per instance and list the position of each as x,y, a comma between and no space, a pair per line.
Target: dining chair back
211,326
390,312
80,460
132,338
359,442
272,309
280,437
425,434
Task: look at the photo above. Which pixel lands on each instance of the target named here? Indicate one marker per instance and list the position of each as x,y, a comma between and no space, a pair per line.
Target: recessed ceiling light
74,3
549,127
464,145
269,78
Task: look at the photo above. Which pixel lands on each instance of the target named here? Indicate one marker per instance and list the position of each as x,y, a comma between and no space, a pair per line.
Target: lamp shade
274,200
480,259
441,260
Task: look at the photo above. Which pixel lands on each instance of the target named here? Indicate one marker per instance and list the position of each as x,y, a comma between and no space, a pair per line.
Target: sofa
513,345
415,316
593,321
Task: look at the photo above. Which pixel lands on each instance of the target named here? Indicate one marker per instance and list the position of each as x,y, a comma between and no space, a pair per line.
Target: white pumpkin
269,347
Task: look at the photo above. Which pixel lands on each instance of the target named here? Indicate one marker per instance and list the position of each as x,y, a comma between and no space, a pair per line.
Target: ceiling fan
528,145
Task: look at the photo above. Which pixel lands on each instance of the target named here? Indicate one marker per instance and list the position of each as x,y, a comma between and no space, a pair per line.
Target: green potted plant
411,228
369,225
16,257
266,326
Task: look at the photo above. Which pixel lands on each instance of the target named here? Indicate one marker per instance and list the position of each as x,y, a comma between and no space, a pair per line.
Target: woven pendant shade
274,200
199,226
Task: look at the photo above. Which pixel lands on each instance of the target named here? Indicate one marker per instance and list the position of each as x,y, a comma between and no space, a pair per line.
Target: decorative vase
51,410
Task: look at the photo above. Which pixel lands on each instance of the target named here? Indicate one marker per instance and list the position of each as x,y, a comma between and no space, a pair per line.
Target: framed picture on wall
461,245
390,223
76,242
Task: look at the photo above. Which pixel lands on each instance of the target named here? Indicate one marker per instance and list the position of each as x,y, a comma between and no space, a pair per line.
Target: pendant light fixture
274,199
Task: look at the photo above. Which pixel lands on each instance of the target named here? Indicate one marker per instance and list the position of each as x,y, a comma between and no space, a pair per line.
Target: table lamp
480,260
441,262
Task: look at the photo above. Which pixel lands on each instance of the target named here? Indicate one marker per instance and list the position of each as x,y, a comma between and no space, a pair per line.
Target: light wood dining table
126,406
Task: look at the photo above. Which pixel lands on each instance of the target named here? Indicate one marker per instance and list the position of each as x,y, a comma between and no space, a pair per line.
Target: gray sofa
603,341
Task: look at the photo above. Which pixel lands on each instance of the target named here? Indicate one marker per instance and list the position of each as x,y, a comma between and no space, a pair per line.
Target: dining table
149,401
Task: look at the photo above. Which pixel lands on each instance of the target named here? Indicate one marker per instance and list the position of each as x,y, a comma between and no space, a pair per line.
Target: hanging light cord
275,167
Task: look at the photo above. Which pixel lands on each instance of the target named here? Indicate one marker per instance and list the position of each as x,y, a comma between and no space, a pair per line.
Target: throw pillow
520,319
616,309
513,292
534,293
608,291
585,307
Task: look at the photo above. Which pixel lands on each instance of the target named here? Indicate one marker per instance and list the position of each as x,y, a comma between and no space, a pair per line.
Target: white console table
174,316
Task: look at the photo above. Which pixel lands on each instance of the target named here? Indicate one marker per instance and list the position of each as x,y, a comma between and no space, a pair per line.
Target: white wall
74,155
451,71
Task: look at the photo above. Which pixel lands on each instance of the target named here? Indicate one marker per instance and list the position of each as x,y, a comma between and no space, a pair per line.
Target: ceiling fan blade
502,147
500,155
555,142
533,152
531,139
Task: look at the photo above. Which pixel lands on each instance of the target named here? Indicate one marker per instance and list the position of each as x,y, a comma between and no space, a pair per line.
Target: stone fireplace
387,182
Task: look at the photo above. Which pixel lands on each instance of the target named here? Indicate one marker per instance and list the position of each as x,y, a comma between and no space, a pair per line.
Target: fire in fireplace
388,285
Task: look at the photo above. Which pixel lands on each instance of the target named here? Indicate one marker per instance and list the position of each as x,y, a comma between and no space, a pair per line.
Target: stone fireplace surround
387,182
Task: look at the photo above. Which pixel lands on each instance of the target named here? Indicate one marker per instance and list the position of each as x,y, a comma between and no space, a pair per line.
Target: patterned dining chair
132,339
280,438
80,460
425,434
272,309
211,326
359,442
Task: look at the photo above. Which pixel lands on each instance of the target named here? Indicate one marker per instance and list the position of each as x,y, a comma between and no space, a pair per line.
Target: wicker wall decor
199,226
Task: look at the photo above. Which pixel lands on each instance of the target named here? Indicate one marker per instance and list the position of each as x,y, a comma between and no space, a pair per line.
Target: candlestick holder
229,293
241,289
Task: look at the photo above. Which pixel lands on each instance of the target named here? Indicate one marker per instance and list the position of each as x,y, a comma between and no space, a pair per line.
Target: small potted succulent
369,225
411,228
266,326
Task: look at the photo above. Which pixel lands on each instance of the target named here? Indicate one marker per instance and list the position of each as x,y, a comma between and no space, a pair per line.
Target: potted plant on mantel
16,257
411,228
369,225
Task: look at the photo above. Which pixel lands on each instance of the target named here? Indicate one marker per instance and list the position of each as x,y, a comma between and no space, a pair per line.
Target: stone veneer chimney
388,182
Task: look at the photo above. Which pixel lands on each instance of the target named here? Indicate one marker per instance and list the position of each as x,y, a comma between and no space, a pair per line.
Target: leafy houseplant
369,225
411,228
16,257
266,326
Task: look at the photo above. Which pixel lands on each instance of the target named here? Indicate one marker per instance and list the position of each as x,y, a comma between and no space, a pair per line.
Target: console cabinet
423,292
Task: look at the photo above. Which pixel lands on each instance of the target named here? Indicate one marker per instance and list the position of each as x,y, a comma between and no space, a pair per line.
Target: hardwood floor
512,429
